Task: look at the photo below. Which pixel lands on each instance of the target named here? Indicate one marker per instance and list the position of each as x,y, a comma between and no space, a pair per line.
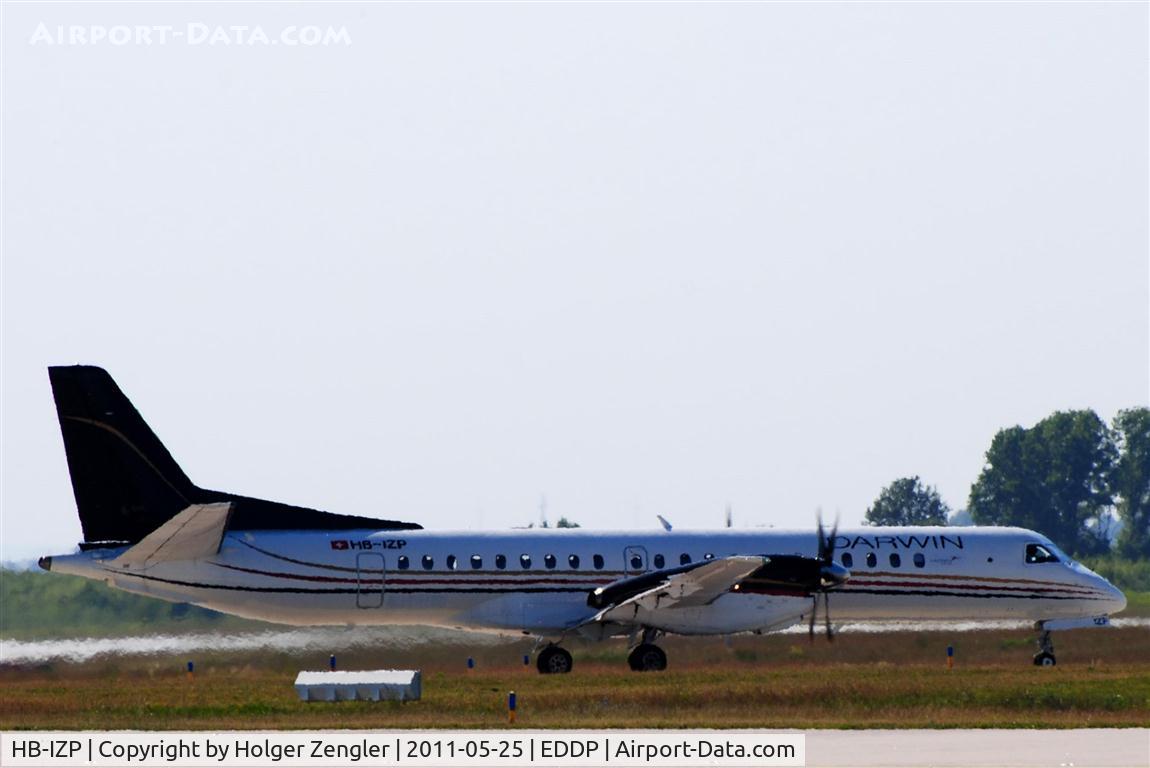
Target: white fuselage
538,581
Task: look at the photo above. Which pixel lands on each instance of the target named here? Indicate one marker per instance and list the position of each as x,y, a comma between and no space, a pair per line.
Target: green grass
1137,604
599,697
864,681
896,680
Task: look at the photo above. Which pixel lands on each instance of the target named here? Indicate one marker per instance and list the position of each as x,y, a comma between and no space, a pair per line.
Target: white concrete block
367,685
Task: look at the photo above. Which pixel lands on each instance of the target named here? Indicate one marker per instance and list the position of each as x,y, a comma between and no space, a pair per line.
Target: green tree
1130,481
1053,478
907,501
565,523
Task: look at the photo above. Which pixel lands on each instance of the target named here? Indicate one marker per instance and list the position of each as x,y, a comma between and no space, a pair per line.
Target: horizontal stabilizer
195,533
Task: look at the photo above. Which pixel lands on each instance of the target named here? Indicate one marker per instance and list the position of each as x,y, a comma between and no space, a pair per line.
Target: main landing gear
646,656
1045,655
554,660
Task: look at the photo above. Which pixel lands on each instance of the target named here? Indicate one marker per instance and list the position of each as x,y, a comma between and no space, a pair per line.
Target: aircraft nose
1117,601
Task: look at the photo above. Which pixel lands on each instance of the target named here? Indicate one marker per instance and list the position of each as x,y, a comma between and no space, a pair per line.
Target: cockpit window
1037,553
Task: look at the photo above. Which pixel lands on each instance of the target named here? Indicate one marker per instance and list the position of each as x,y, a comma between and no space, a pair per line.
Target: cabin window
451,562
476,562
428,562
549,561
684,559
403,563
573,561
919,560
659,561
895,560
525,561
598,561
501,561
871,560
848,559
1036,553
636,563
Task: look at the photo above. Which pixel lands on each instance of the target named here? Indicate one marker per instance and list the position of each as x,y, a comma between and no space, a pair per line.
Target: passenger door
369,580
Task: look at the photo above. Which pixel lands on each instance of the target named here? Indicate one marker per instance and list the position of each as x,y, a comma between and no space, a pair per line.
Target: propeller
831,575
803,576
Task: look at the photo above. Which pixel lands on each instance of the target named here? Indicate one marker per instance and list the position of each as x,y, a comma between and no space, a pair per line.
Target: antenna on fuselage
663,522
728,514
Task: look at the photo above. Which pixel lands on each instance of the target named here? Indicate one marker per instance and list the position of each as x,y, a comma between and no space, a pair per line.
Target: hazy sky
641,258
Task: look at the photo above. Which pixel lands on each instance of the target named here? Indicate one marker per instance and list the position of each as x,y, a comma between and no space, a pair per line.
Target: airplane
149,530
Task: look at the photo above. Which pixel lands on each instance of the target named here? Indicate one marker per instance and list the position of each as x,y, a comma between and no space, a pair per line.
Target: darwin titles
898,542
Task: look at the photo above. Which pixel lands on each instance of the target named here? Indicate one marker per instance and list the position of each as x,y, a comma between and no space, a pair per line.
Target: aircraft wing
688,586
195,533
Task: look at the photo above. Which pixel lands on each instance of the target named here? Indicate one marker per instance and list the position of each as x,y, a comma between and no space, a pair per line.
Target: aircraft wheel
554,660
1044,659
647,658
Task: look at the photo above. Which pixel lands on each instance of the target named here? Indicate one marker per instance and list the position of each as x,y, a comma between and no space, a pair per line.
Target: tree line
1064,477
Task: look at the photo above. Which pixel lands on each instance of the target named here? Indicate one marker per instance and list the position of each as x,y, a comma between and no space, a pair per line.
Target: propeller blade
827,617
831,540
822,537
830,575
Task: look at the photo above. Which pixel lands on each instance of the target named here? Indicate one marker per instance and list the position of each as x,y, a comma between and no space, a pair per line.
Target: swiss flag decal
339,544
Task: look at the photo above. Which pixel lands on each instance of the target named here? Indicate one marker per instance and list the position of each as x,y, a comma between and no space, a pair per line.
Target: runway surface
1086,748
328,639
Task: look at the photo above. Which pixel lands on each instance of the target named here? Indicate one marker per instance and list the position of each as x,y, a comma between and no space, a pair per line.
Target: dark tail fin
128,485
125,481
